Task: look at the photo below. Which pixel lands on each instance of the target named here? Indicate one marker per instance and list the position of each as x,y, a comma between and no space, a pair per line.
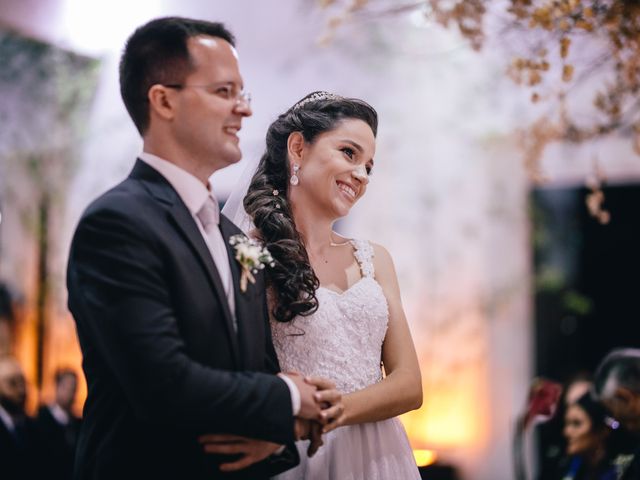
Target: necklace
332,244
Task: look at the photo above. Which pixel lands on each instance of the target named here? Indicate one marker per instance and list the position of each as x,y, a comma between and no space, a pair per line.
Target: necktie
209,216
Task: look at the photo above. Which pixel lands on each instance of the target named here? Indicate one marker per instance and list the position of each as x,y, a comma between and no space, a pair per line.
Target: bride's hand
330,400
334,417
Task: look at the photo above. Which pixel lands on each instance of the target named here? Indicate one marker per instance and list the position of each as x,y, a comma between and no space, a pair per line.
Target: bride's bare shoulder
382,261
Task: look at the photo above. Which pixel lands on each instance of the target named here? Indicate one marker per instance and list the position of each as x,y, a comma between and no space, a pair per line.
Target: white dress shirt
194,194
59,414
6,419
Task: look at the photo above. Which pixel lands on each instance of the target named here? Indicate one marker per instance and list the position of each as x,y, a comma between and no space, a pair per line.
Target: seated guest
59,428
587,433
6,319
552,442
617,386
19,447
6,305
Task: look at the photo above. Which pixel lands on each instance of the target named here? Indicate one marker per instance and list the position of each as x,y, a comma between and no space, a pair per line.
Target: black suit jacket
58,444
162,360
20,452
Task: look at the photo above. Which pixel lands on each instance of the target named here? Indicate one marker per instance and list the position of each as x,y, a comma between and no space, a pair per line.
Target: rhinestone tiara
315,97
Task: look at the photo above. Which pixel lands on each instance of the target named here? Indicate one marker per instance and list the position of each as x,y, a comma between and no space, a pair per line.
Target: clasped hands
321,410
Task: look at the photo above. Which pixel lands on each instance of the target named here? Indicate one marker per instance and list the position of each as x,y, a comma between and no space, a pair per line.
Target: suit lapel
246,312
180,216
184,221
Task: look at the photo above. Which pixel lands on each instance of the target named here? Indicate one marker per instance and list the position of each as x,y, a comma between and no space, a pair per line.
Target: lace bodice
343,339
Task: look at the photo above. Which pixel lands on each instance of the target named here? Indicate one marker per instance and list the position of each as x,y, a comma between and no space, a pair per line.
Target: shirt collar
190,190
6,419
59,414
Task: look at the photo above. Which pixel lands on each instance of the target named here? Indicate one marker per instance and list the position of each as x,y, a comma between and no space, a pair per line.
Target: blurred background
506,187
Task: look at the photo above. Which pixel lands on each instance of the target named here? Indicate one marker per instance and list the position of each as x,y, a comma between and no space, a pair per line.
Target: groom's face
209,114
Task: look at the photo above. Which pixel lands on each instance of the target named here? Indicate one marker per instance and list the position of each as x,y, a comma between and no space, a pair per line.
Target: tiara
315,97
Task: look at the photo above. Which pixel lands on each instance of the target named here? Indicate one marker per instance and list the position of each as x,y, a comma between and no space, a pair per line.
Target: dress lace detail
343,339
364,255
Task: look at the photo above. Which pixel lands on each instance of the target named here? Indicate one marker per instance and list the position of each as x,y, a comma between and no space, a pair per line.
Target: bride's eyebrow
354,144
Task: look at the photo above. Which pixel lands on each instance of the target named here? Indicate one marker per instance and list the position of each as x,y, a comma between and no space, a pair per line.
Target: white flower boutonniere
251,256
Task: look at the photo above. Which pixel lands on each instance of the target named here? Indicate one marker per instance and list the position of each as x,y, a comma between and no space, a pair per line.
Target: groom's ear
160,102
295,146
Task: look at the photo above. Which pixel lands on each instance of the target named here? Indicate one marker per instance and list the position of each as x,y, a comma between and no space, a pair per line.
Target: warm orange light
61,350
425,458
454,410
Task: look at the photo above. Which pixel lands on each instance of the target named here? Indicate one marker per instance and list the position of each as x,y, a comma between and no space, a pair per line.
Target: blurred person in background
59,427
19,443
6,318
580,384
588,453
617,386
551,440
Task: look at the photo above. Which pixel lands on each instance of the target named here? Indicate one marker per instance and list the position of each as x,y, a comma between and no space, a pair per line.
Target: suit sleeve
119,295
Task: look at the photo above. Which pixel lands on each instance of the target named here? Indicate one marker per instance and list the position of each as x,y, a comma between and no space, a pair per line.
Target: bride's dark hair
292,278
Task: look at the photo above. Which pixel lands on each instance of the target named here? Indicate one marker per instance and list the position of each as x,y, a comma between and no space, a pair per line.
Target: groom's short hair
157,53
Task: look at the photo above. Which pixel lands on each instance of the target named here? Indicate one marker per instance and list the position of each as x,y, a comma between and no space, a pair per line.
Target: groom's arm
121,300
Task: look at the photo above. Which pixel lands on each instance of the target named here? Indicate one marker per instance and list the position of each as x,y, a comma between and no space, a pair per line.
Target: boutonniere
251,256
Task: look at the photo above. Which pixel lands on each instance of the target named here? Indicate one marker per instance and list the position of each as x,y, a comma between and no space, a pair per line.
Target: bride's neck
315,232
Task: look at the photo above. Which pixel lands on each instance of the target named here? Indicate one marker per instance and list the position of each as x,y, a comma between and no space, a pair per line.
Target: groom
174,350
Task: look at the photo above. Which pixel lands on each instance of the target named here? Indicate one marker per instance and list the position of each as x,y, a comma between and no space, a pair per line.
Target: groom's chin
233,155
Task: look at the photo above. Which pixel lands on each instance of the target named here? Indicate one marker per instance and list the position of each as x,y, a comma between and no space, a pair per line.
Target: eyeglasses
224,91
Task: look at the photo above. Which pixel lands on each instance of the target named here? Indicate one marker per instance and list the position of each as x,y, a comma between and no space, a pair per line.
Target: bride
334,302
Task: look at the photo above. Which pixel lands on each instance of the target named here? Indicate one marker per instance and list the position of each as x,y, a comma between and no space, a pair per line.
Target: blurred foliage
575,302
564,44
46,96
549,279
47,93
552,279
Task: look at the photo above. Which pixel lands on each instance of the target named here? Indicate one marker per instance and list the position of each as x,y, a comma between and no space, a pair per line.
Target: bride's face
334,169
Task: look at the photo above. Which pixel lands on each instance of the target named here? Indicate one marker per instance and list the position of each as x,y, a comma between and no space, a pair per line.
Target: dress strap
363,251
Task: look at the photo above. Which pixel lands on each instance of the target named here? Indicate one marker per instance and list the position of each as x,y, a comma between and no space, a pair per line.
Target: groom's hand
319,399
302,428
309,406
315,437
309,430
250,450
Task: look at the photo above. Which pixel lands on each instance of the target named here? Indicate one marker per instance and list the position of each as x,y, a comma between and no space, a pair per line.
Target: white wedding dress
342,341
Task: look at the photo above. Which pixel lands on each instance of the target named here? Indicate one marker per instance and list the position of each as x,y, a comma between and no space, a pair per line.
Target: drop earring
294,180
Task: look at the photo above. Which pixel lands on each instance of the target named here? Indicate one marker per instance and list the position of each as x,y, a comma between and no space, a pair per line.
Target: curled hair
292,278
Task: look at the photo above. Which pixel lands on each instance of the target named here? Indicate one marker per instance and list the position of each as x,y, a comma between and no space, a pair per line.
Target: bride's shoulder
379,255
382,261
385,271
